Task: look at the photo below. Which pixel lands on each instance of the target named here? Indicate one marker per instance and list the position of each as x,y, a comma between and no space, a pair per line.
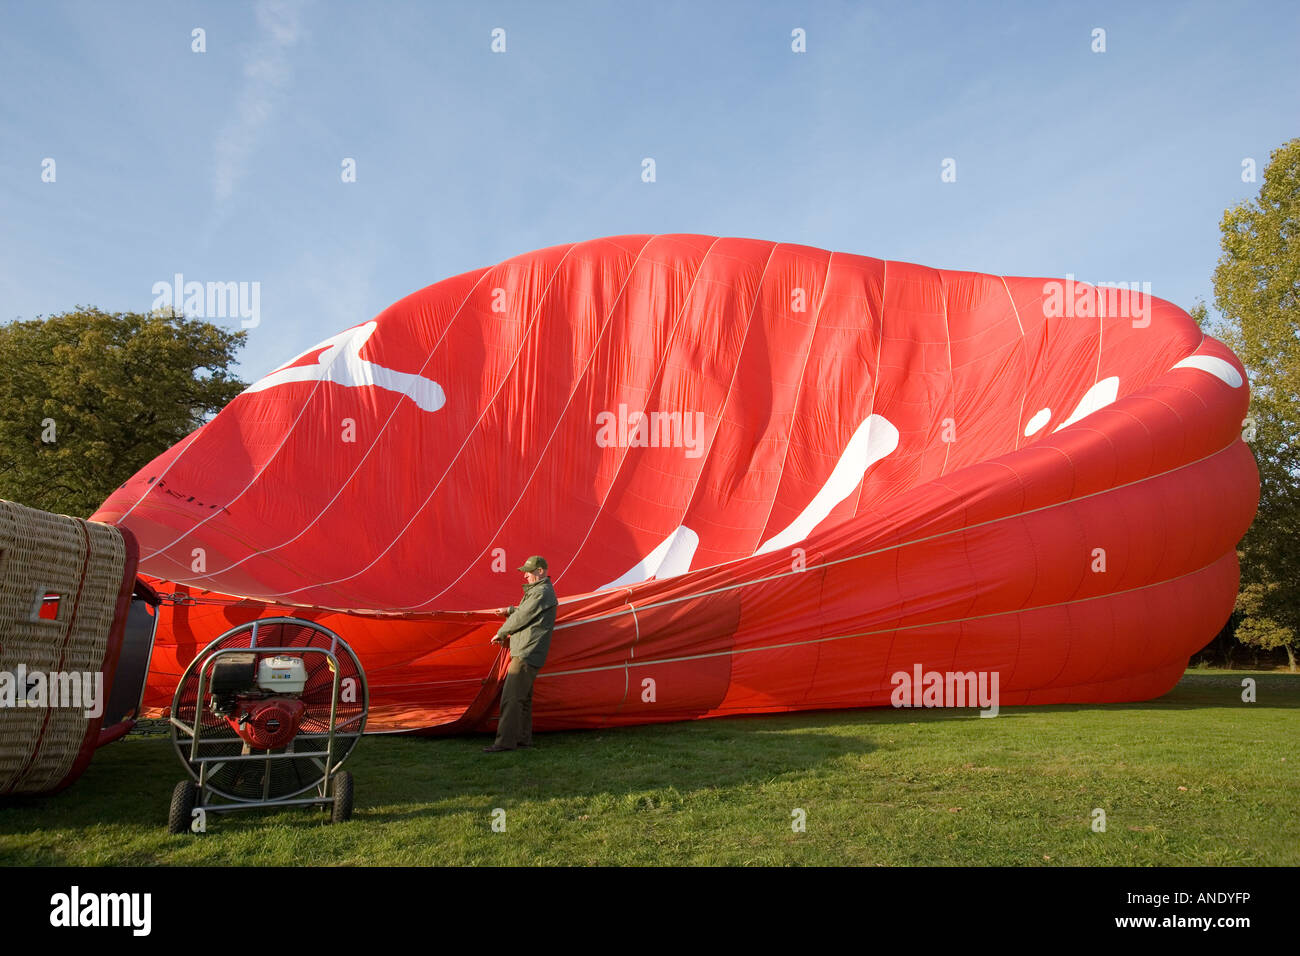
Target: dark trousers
515,728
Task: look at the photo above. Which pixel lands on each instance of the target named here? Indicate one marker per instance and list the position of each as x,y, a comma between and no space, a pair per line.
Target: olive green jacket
529,624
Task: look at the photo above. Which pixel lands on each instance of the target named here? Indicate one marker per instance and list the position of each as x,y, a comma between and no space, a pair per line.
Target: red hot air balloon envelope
767,477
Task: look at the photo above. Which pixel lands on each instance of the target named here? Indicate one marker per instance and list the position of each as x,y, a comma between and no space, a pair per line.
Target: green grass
1195,778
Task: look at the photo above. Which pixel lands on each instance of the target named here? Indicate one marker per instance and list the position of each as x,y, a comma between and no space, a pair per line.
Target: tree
1257,290
87,398
1199,313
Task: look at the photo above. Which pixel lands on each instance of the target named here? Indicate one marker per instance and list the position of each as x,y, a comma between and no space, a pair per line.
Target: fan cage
220,760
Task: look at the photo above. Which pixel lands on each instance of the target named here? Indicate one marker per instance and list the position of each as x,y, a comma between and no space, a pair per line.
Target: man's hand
501,639
503,611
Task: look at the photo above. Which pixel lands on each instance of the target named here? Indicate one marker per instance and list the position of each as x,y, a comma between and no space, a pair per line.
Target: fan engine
260,699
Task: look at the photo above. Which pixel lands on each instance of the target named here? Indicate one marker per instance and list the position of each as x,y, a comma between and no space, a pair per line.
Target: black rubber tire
342,809
184,798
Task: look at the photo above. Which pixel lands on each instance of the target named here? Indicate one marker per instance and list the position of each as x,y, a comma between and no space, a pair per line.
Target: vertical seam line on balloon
577,385
631,654
735,374
794,408
600,510
952,385
302,411
875,375
1101,329
952,375
150,486
287,435
262,552
504,379
1024,356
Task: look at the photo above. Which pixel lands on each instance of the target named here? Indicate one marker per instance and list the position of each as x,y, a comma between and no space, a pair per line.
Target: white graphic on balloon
671,557
1215,366
875,438
341,363
1041,418
1099,396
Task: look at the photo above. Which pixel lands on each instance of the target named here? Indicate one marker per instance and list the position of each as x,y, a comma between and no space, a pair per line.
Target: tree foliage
89,397
1257,290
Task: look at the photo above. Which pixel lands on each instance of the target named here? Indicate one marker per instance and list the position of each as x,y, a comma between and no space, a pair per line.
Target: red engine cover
270,722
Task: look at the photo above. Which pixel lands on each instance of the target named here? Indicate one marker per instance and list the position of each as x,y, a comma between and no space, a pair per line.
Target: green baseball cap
534,564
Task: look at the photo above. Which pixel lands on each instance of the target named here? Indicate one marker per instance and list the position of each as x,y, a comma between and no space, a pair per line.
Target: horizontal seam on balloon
431,683
885,630
904,544
721,712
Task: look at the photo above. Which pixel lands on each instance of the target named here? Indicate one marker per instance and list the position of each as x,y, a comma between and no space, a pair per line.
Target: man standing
527,630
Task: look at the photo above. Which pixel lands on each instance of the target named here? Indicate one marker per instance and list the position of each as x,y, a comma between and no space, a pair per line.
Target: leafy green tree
1199,313
88,398
1257,290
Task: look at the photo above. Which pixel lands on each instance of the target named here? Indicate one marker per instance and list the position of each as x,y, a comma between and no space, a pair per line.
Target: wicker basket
87,566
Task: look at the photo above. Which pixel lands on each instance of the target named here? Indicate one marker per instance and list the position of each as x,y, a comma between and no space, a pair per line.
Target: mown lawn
1195,778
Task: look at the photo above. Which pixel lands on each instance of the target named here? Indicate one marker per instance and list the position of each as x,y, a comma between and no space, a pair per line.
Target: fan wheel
341,812
184,798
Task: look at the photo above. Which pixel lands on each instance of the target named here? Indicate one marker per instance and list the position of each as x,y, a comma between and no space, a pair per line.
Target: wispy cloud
267,72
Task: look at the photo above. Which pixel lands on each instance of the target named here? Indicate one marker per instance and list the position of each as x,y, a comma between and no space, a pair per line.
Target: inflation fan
265,716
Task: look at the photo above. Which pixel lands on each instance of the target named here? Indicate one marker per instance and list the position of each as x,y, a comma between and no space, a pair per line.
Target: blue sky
225,165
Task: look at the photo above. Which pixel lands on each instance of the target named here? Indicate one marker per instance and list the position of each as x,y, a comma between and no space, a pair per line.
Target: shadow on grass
129,783
667,760
397,777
